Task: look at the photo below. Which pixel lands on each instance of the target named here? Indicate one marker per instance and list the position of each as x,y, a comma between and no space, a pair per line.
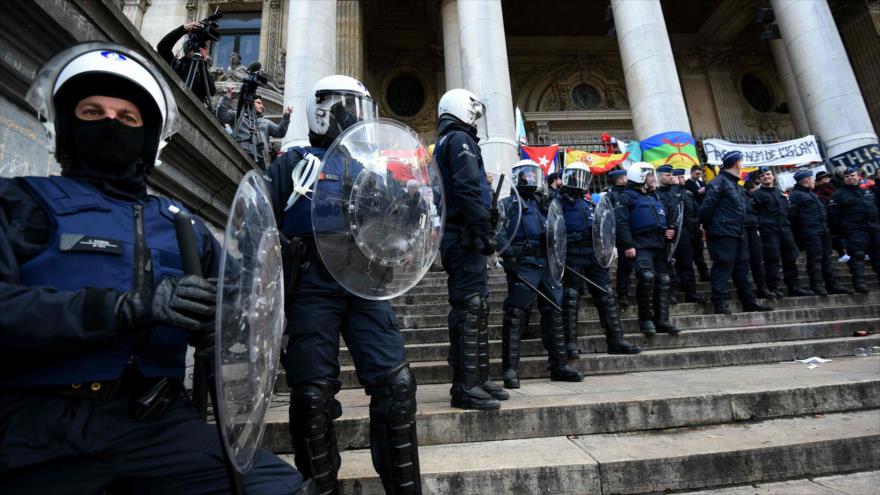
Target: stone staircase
720,404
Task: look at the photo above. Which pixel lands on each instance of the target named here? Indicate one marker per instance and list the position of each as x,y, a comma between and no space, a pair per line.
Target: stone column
484,71
832,101
311,55
789,85
451,45
652,85
350,40
134,10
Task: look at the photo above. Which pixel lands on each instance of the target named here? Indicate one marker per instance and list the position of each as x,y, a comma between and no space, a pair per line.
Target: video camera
198,38
254,79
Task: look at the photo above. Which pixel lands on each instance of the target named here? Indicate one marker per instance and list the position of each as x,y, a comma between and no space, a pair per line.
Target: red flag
544,156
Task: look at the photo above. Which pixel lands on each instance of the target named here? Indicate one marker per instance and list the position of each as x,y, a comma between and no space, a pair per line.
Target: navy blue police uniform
672,200
624,265
756,249
526,259
319,310
641,223
809,219
771,207
694,187
853,213
723,214
462,252
70,379
580,257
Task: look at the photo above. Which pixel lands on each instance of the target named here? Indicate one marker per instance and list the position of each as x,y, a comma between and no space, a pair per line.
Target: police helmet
577,176
338,102
103,69
638,172
528,177
461,104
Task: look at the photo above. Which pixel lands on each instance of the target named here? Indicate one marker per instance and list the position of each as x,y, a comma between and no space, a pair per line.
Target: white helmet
577,176
528,176
104,69
337,103
638,172
461,104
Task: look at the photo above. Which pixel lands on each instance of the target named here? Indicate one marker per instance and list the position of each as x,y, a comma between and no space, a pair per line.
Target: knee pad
664,279
312,399
312,433
393,399
646,276
571,296
514,317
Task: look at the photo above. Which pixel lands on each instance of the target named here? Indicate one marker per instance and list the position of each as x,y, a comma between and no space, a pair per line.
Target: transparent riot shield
604,234
676,221
250,320
556,241
506,208
378,209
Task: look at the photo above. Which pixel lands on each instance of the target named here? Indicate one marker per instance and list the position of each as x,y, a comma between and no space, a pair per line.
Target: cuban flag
544,156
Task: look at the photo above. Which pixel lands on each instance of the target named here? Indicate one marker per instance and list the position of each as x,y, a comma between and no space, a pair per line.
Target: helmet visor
344,110
576,178
529,178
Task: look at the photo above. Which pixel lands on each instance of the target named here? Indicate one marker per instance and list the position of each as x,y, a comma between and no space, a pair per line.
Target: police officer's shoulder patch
91,244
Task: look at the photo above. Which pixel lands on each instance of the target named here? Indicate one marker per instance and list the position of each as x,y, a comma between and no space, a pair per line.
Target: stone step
618,403
595,342
662,359
497,294
860,483
641,462
434,316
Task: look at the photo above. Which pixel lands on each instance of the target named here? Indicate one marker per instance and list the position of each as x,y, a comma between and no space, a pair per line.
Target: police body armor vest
647,212
578,225
531,226
442,159
94,244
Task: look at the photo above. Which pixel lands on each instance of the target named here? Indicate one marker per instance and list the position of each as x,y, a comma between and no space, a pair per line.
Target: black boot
570,305
764,293
721,308
553,336
754,306
466,391
393,441
644,297
836,289
814,274
511,334
798,292
312,434
609,319
662,293
623,301
857,269
487,384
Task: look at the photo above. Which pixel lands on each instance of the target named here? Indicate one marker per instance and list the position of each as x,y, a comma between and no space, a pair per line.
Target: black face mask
106,146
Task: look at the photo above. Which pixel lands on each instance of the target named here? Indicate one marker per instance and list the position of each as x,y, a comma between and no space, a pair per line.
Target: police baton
585,279
203,374
538,292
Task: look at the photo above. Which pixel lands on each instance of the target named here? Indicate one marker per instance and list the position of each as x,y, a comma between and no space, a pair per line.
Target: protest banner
796,152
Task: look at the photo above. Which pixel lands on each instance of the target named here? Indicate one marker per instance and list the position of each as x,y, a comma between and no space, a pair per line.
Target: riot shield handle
186,242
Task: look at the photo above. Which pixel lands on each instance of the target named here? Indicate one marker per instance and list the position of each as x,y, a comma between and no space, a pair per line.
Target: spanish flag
599,163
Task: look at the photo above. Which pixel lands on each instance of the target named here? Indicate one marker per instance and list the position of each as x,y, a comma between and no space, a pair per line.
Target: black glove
511,267
187,303
483,237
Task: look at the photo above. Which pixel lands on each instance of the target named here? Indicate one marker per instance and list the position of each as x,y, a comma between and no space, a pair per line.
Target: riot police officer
320,310
684,252
624,264
642,232
525,260
756,247
669,194
853,212
809,220
723,213
578,213
468,240
96,311
771,207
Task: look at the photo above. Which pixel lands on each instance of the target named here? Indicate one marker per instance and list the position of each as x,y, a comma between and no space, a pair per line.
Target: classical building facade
632,68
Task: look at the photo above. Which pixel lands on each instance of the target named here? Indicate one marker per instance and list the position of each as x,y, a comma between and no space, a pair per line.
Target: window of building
585,97
757,93
405,95
239,32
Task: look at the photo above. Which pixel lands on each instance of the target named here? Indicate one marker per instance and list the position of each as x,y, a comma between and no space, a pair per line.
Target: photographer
262,127
182,65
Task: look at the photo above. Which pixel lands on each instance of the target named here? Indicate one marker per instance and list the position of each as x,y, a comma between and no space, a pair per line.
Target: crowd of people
96,312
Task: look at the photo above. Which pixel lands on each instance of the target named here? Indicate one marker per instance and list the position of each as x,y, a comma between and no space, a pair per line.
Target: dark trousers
756,256
699,260
864,241
536,272
586,265
63,445
319,311
467,276
624,275
779,246
730,256
820,271
651,260
683,269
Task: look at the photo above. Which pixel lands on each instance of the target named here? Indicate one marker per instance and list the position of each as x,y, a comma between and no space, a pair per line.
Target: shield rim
673,243
555,210
432,255
606,199
501,228
255,178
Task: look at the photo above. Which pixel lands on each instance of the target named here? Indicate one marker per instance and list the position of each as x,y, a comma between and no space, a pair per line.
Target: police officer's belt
129,383
533,251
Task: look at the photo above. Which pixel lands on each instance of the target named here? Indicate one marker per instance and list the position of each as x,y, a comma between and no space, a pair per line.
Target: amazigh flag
670,148
599,163
544,156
